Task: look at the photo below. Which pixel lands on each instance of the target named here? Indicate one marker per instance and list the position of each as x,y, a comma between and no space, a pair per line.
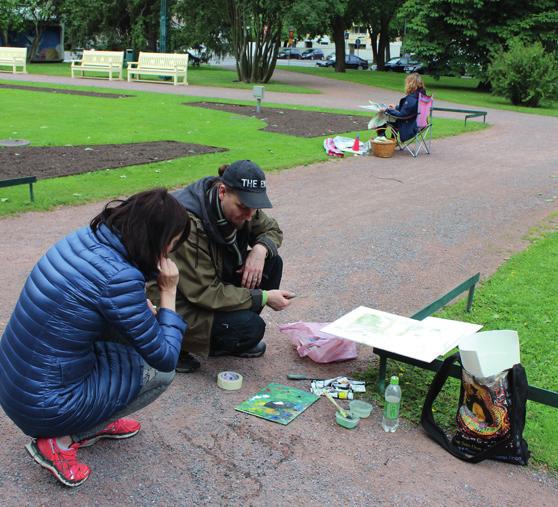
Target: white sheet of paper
424,340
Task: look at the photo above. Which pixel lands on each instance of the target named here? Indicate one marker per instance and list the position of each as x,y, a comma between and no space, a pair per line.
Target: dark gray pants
154,383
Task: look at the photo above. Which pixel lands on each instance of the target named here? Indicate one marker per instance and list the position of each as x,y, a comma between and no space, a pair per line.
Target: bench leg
470,297
381,384
31,195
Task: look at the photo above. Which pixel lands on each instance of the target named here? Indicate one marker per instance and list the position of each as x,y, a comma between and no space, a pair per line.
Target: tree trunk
36,42
374,43
338,28
484,85
255,39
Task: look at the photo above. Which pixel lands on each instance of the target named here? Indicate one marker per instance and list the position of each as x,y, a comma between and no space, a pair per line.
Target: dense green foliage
459,35
525,74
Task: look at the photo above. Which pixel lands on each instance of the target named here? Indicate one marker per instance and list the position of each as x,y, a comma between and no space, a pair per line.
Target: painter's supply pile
341,388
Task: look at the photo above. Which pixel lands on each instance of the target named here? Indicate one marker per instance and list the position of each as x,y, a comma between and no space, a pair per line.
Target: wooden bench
14,58
21,181
159,64
469,113
104,62
537,394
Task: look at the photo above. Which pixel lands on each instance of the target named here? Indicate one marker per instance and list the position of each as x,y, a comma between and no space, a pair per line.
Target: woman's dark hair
146,223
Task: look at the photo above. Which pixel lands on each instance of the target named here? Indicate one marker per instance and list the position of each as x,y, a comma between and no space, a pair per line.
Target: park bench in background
104,62
544,396
469,113
159,64
14,58
20,181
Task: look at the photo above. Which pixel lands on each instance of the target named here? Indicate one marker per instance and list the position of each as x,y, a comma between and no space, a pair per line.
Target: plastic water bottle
390,421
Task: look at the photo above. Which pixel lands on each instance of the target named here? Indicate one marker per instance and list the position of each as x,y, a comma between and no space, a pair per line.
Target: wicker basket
383,150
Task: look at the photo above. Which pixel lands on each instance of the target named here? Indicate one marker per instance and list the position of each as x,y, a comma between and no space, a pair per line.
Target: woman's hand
391,106
167,282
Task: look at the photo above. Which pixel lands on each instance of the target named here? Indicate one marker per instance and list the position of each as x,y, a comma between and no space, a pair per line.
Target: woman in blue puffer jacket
62,380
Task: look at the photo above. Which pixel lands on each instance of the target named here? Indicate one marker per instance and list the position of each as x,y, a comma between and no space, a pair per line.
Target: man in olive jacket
229,265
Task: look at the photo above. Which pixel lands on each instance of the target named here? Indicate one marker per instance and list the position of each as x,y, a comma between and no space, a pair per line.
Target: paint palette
278,403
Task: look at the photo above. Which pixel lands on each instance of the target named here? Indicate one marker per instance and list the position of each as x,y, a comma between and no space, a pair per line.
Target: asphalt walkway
393,234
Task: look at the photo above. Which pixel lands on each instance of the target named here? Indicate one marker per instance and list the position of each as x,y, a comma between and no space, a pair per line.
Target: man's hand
253,267
279,299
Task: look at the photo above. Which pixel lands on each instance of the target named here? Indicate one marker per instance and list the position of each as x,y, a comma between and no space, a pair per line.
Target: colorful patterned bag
490,417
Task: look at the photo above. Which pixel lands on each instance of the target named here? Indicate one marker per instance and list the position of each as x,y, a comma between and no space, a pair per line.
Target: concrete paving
387,233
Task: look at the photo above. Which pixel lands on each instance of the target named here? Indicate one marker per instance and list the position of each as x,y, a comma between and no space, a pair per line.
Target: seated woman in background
61,381
404,116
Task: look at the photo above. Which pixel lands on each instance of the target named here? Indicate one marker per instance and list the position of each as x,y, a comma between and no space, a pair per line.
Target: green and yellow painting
278,403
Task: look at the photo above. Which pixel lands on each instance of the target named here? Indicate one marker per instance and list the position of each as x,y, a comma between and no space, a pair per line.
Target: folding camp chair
423,137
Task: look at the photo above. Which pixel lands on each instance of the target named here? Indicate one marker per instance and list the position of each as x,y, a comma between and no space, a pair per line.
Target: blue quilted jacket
56,378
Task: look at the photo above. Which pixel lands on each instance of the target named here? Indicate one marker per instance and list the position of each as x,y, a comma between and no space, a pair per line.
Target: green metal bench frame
469,113
544,396
21,181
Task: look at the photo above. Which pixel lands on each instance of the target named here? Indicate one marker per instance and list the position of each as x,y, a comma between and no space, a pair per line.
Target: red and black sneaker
121,428
62,463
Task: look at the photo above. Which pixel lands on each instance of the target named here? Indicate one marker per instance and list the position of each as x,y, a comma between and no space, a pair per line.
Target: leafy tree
324,16
252,30
111,24
459,35
379,18
10,18
525,74
38,12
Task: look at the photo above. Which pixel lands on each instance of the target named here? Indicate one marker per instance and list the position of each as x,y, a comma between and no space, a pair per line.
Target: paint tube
342,395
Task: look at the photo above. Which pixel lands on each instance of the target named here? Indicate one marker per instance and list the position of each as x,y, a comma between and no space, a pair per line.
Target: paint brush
342,411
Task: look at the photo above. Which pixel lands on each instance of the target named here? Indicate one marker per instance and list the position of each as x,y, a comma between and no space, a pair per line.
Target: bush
524,73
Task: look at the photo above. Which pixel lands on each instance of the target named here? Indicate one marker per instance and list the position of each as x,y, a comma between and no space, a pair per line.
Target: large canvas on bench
424,340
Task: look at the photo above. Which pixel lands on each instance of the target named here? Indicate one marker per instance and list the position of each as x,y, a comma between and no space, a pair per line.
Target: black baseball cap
248,181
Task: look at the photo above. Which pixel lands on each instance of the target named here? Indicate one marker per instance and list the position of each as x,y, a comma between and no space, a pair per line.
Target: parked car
399,63
313,54
289,53
415,67
351,62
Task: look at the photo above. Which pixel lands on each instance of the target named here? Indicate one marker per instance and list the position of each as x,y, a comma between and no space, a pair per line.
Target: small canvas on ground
424,340
278,403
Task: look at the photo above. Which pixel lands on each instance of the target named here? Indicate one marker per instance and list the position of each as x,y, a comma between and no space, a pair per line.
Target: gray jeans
154,383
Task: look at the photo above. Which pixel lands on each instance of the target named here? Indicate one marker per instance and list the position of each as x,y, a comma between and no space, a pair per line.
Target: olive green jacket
200,290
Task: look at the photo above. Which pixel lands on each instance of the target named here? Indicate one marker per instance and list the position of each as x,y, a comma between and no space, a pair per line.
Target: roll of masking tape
229,380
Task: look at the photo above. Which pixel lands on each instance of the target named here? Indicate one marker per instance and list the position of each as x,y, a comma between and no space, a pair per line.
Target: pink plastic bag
320,347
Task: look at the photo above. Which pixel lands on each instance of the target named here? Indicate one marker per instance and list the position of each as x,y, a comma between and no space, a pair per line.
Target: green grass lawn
199,76
451,89
48,119
521,295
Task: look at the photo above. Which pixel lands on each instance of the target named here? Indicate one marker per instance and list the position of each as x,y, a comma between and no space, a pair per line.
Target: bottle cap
394,380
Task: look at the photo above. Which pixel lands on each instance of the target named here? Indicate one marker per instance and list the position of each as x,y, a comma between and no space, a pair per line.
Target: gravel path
392,234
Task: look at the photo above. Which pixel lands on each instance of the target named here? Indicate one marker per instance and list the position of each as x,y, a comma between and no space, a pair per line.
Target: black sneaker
256,351
187,363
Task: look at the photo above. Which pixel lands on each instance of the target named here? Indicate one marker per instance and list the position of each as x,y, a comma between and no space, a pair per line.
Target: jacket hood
194,199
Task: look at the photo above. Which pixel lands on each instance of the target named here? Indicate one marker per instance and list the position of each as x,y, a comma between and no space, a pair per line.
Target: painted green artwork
278,403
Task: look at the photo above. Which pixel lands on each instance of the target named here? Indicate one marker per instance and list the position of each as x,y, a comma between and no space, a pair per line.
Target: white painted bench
14,58
108,62
159,64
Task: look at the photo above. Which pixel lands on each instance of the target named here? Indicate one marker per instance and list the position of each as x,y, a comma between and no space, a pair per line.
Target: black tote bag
501,438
